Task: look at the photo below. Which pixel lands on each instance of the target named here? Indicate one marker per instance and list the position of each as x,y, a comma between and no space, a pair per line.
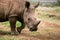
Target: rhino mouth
33,29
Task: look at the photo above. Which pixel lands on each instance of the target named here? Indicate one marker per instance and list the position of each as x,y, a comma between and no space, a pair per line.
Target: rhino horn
36,5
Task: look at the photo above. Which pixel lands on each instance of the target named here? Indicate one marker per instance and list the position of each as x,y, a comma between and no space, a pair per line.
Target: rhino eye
29,19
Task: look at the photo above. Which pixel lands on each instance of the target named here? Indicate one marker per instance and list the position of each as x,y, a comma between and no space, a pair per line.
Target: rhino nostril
30,28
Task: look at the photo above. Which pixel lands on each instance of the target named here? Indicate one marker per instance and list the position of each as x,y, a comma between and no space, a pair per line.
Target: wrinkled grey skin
18,10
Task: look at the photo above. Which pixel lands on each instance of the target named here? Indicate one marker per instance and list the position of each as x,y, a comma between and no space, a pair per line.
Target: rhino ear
27,4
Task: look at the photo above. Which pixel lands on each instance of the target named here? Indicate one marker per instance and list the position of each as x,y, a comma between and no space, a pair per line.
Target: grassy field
51,14
49,28
18,24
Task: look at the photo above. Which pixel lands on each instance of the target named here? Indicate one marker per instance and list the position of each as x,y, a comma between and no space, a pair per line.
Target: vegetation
47,11
18,24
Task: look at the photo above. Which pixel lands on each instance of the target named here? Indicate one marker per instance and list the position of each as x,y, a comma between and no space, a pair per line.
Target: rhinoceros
18,10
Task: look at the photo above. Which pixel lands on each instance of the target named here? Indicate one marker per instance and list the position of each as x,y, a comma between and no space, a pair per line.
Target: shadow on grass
5,33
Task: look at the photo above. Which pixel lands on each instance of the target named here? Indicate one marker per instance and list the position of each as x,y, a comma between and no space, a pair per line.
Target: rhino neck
20,16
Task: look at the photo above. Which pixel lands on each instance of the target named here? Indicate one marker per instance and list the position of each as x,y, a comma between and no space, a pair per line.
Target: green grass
57,9
6,23
35,33
21,39
48,29
0,30
18,24
10,38
3,38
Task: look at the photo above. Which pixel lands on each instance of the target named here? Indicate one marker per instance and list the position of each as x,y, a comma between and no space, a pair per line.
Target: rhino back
11,8
4,6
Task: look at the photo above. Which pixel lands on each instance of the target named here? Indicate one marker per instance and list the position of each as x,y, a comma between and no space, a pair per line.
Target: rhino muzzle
34,28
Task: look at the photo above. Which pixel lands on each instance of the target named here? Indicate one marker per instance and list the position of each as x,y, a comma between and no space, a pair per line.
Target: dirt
46,31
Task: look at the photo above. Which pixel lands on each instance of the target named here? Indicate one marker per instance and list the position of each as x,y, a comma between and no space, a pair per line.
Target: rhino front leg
12,21
19,29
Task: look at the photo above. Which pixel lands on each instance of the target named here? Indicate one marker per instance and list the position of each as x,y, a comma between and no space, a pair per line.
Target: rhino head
29,17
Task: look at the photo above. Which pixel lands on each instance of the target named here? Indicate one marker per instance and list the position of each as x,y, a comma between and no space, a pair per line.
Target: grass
18,24
44,14
35,33
11,38
21,39
3,38
6,23
57,9
48,29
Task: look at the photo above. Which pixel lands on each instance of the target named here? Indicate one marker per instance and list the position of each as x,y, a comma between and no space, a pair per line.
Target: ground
48,29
